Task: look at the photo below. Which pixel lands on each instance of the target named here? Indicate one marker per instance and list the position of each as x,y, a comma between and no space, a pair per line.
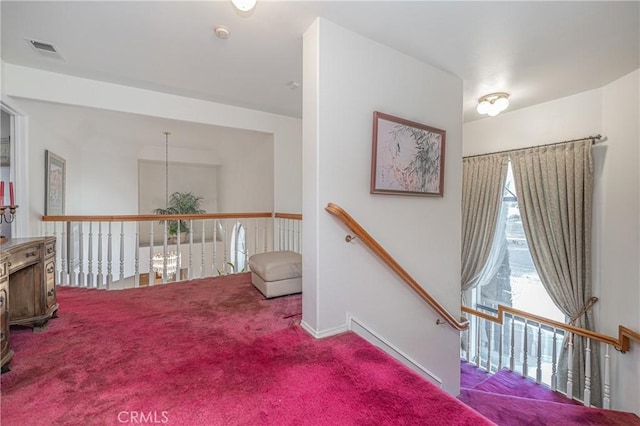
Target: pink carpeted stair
509,399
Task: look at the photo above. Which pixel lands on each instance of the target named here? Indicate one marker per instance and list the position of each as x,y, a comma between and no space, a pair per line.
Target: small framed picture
407,157
55,178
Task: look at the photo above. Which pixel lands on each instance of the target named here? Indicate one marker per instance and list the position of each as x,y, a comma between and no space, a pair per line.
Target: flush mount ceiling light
493,104
244,5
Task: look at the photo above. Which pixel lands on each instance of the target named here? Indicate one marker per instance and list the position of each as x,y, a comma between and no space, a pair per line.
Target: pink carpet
207,352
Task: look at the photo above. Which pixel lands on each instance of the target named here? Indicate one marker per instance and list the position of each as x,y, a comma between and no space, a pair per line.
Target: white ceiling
537,51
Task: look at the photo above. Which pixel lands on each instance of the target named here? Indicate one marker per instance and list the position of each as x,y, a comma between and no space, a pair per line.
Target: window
512,279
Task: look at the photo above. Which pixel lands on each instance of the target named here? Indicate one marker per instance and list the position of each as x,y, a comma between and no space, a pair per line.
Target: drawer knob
49,250
1,301
51,292
32,254
50,269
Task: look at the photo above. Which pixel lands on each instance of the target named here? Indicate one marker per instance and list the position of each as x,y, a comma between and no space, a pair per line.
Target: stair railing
377,249
117,251
520,333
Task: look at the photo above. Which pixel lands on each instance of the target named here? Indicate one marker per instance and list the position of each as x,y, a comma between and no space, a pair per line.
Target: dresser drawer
21,257
50,279
50,249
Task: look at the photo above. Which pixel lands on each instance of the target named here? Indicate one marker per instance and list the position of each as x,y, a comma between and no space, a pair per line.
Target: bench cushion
276,265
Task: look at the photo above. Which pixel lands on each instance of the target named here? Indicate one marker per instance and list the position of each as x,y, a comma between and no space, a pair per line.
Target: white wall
347,77
613,112
29,83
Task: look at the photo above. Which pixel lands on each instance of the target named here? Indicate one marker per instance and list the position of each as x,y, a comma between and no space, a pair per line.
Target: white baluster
99,277
501,344
178,276
539,355
225,259
81,256
257,234
512,345
489,339
109,257
202,248
152,272
58,253
478,359
71,237
63,252
606,397
90,281
190,276
468,337
122,253
554,362
525,362
570,367
587,374
136,260
164,252
266,227
215,270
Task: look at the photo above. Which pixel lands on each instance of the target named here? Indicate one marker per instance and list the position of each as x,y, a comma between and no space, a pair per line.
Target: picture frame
407,157
5,152
55,184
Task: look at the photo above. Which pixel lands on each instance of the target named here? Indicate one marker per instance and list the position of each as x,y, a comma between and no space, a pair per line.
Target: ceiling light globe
244,5
501,103
493,111
483,107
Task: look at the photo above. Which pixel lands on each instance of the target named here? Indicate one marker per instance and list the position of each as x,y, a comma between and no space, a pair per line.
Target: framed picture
55,175
407,157
5,152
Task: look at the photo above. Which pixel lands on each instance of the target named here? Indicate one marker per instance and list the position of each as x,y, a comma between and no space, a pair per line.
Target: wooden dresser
28,283
6,354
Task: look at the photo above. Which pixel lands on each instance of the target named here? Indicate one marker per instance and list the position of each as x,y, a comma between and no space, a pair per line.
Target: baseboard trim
324,333
362,330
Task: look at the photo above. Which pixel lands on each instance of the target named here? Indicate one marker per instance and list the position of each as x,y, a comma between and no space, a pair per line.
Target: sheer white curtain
483,184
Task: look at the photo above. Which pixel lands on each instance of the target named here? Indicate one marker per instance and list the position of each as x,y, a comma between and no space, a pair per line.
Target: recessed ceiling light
222,32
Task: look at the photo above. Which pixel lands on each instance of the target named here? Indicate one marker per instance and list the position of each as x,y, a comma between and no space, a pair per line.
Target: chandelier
166,262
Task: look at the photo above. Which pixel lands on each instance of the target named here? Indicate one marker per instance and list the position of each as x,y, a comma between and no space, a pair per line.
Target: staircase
508,399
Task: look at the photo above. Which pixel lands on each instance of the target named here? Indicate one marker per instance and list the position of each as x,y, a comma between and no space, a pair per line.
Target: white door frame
19,166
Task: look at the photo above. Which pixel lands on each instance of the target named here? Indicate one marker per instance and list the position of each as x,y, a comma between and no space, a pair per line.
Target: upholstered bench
276,273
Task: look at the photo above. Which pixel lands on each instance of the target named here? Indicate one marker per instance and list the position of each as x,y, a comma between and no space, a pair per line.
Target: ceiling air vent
42,48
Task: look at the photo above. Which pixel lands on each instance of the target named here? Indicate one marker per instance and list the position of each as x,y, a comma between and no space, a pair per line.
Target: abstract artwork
407,158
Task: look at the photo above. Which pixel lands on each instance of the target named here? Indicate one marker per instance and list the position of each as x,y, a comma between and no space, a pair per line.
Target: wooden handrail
366,238
154,217
294,216
625,335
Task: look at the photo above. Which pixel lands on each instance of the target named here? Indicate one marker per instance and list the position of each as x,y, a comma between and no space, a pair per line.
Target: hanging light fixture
493,104
244,5
166,261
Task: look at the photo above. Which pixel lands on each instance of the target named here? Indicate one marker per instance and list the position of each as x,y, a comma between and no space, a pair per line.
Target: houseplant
181,203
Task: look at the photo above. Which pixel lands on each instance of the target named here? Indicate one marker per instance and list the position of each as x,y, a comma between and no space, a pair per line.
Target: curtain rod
595,138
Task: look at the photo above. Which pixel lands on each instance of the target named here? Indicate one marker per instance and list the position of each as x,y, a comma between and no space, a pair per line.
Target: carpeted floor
207,352
509,399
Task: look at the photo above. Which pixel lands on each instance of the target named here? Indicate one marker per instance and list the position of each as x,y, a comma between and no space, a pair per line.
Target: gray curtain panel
555,190
483,180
